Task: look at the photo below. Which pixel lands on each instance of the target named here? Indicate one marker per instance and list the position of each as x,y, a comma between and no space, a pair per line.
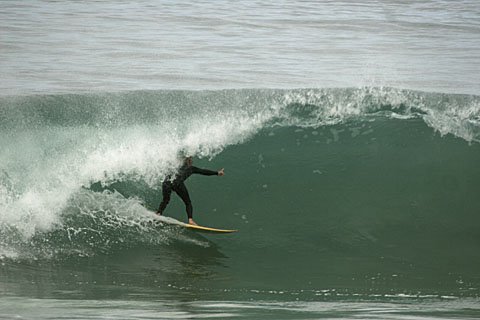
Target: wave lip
184,111
446,113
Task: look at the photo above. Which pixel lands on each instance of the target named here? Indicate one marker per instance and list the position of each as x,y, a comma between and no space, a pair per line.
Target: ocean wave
55,146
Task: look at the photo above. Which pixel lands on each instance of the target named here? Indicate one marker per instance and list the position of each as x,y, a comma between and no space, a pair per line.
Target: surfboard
207,229
171,221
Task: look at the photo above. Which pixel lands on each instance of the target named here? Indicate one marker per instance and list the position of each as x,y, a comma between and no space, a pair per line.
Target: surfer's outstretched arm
207,172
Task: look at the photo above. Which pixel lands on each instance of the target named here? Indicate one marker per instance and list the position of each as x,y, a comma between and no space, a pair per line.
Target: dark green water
349,204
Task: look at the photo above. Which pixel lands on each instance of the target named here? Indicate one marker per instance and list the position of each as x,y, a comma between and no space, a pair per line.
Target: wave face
348,184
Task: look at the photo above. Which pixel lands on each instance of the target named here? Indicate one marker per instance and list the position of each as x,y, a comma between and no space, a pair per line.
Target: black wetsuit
179,187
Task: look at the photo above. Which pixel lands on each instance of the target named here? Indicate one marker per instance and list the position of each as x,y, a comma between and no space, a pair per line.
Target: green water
373,215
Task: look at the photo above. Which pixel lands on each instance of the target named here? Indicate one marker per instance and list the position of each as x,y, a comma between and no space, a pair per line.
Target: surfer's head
184,158
188,161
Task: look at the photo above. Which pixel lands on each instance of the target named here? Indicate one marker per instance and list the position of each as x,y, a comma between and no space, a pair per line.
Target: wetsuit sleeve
205,172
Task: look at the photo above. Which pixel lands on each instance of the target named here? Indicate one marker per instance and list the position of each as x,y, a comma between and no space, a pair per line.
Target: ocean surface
349,133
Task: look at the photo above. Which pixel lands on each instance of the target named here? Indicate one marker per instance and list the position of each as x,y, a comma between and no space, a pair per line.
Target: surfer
177,184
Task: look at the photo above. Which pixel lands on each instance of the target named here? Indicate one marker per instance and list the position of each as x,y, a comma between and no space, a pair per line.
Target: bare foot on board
193,223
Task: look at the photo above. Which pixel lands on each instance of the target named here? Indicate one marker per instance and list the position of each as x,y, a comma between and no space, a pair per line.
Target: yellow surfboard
171,221
207,229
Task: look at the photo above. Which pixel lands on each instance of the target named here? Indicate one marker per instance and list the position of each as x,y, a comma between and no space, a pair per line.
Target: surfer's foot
193,223
159,213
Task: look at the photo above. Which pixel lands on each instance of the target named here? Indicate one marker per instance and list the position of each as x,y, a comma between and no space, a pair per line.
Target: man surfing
177,184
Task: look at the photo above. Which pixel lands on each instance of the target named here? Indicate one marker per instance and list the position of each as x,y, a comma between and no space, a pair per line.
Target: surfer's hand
221,172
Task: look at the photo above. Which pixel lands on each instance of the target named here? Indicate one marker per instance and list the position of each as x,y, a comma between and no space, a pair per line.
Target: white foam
45,167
